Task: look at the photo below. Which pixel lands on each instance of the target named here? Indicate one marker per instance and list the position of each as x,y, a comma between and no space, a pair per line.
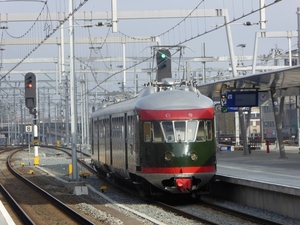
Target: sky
280,17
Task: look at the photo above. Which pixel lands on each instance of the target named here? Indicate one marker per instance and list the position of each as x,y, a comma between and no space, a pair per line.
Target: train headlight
168,156
193,156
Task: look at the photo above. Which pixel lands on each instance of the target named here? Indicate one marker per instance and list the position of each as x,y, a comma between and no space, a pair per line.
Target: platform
5,218
261,166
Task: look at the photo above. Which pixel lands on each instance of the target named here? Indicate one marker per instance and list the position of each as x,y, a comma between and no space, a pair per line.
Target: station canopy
286,82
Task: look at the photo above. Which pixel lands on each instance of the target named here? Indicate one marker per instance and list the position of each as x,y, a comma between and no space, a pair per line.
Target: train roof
149,99
174,100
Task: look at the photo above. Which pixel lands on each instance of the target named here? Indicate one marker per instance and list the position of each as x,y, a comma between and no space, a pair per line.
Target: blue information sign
242,99
235,109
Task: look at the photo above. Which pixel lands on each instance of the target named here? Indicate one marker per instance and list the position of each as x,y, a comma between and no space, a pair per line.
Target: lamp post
290,120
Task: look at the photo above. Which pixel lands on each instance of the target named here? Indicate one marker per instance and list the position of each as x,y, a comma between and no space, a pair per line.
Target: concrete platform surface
261,166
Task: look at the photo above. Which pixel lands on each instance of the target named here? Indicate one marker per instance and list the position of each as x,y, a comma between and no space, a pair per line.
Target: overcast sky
280,17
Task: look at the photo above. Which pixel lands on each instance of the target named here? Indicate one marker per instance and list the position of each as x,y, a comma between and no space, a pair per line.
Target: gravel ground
58,165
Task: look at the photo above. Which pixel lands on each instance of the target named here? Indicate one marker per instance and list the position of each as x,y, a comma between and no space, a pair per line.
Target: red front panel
176,114
179,170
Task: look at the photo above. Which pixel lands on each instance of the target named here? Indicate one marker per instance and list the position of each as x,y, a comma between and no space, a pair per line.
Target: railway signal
223,101
30,91
224,109
163,61
30,102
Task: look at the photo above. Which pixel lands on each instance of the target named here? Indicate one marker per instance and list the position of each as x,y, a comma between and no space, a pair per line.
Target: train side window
95,127
201,132
130,126
123,132
101,129
107,128
168,131
209,130
112,128
122,128
157,132
147,131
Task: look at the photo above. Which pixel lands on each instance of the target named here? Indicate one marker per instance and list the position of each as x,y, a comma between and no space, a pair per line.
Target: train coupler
183,184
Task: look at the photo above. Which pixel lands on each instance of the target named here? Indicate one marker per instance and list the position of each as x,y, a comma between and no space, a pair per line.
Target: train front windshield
178,131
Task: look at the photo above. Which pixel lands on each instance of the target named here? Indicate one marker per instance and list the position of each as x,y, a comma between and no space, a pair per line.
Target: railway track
189,209
184,213
184,208
32,204
239,214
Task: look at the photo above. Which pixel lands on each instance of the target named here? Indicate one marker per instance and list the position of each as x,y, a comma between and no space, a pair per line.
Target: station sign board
242,99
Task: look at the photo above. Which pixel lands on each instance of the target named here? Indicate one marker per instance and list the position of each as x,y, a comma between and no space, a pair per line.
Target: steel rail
73,214
16,207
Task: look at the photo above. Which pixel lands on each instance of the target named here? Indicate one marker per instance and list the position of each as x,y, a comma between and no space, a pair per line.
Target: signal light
224,109
163,56
29,84
163,61
223,102
30,91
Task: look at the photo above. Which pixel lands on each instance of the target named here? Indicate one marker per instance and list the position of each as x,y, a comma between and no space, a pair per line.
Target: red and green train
162,141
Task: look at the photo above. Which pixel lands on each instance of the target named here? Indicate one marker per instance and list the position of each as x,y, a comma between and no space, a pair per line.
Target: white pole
82,110
73,94
290,51
62,42
114,18
86,111
262,15
203,64
255,53
124,64
230,44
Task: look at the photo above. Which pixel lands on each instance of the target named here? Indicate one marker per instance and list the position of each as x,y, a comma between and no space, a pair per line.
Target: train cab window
209,130
180,131
201,131
168,131
147,131
157,132
191,130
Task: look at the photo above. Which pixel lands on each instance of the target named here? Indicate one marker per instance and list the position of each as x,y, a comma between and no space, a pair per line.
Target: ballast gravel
58,166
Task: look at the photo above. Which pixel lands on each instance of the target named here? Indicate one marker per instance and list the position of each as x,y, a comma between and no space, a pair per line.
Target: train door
107,141
94,137
91,137
101,139
97,139
118,143
131,141
126,140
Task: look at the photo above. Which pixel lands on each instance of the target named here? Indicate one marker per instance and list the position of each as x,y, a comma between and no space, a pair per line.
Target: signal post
30,102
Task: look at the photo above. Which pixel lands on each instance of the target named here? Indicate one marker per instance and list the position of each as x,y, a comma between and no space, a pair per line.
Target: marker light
194,156
168,156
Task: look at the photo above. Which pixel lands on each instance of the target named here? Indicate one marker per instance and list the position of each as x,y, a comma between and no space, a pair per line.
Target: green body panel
153,154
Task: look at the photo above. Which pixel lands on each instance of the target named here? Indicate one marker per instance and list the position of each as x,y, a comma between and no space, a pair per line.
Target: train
3,140
162,141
